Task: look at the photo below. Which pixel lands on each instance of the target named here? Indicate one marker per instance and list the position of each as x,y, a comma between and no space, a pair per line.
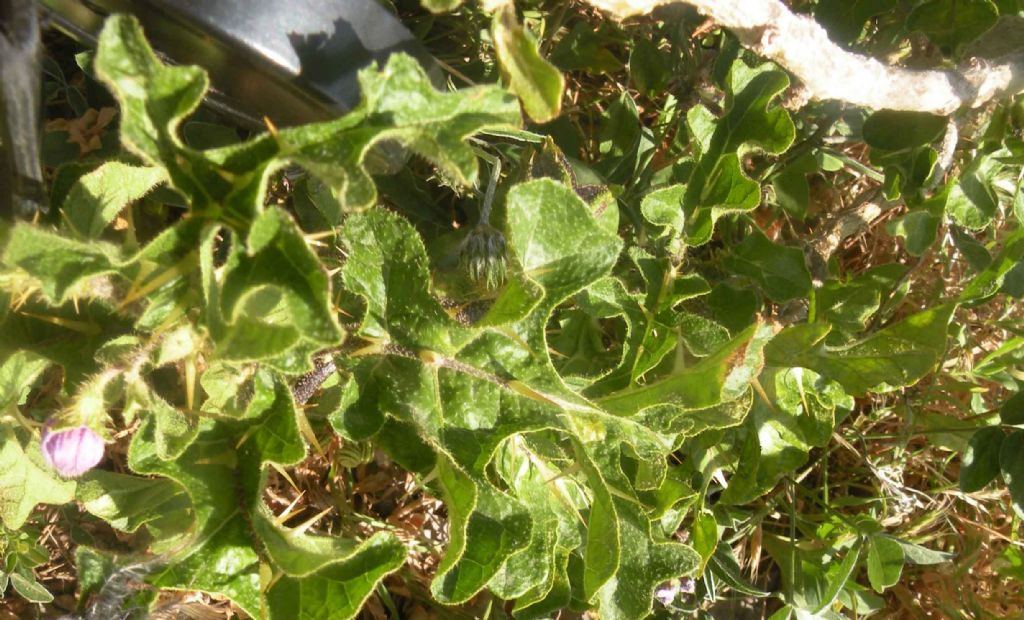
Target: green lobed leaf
220,557
643,565
400,308
277,286
718,185
154,99
490,527
232,534
895,356
464,391
399,105
557,486
531,575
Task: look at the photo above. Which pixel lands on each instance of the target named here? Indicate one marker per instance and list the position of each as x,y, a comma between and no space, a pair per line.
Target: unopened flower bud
72,451
483,256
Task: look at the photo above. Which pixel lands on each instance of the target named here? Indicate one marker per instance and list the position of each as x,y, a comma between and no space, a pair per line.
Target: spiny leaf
399,105
58,263
96,198
155,99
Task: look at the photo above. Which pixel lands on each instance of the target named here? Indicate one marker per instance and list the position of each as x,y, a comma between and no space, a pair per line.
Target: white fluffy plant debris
827,71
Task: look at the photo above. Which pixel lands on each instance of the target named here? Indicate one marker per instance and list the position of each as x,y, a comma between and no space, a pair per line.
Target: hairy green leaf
898,355
96,198
58,263
25,479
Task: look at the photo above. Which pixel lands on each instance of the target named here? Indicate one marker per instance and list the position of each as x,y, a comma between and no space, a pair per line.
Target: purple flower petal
667,592
72,451
687,585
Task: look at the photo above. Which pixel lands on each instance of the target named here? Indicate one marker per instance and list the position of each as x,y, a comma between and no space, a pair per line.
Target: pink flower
72,451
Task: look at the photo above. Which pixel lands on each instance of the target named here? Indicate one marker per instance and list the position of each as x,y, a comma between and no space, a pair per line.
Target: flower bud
483,256
72,451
